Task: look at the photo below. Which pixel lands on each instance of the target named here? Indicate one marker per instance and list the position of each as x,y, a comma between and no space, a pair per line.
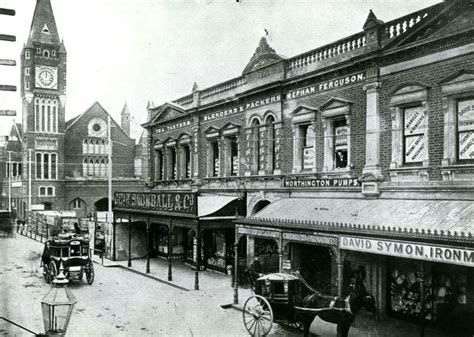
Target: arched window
37,115
270,122
102,147
97,168
84,168
91,168
256,145
91,146
84,146
103,172
96,146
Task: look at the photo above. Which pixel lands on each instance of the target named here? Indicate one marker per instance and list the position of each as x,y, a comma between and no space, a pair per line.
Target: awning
397,214
208,205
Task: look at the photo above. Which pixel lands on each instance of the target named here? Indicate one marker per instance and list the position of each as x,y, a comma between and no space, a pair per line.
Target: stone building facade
354,161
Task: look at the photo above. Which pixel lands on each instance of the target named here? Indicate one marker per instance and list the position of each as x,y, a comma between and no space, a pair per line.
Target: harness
332,299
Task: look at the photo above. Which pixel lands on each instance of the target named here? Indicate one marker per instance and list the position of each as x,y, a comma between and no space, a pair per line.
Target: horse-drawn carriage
289,300
74,255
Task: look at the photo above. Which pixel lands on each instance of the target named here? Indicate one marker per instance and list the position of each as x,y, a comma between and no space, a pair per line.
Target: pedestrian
23,226
77,229
18,225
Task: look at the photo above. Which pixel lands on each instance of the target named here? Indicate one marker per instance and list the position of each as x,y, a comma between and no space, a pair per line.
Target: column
198,258
147,245
248,152
236,271
372,121
170,250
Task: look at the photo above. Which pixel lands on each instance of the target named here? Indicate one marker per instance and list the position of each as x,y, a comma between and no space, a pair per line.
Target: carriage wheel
257,315
90,273
53,271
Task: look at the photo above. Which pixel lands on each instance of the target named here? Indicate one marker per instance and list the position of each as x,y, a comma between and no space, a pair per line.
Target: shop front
422,280
178,225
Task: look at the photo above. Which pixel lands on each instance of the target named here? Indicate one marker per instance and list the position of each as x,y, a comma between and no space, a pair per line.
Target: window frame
457,132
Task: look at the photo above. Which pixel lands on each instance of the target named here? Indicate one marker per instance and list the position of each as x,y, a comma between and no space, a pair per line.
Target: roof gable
43,26
167,112
264,55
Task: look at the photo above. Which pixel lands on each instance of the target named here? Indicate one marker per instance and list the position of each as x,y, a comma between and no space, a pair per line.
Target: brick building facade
61,164
354,161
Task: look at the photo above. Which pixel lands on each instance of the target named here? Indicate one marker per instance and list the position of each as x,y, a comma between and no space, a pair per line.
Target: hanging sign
176,202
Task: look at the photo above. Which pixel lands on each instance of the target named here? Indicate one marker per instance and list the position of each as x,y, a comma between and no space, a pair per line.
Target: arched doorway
260,205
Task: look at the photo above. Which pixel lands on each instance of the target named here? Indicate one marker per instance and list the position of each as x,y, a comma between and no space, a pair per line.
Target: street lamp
57,306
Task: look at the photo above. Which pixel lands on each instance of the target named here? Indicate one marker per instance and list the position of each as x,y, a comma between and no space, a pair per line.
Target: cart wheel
257,316
53,271
90,273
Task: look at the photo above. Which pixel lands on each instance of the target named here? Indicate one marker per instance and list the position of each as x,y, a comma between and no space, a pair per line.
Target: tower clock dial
46,77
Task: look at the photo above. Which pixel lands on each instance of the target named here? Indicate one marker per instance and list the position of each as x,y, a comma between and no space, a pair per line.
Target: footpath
220,286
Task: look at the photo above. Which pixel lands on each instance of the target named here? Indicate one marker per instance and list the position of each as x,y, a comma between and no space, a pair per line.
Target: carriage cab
74,254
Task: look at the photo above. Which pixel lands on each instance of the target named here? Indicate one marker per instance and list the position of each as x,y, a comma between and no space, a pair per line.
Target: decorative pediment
167,112
212,132
264,55
409,93
303,113
230,129
170,142
335,107
185,138
460,81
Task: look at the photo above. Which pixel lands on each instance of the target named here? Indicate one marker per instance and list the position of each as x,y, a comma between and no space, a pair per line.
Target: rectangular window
307,146
465,125
38,165
46,166
215,159
173,163
187,162
76,204
42,190
27,55
53,52
234,157
53,166
414,141
27,71
38,50
341,134
27,85
50,191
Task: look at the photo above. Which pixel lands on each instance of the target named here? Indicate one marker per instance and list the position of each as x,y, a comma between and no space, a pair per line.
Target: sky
136,51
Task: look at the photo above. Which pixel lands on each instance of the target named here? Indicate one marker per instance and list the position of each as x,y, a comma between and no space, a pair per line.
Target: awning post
170,251
236,261
198,257
129,241
147,245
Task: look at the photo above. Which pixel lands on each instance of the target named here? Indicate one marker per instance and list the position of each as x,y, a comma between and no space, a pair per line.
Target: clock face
46,77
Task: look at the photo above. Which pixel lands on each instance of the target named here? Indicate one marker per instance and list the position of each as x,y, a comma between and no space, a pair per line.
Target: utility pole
29,179
9,170
109,136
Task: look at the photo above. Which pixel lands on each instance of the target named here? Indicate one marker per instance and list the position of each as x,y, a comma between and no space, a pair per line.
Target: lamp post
57,306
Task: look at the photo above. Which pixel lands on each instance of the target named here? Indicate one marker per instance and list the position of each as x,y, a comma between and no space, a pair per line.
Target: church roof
43,26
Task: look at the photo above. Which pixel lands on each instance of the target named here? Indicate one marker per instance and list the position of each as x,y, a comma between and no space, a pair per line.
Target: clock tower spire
43,91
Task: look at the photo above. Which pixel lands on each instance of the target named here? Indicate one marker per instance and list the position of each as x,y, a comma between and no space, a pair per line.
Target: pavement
218,291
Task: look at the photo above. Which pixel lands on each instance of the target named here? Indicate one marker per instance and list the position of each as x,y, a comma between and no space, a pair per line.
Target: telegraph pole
9,170
109,136
29,179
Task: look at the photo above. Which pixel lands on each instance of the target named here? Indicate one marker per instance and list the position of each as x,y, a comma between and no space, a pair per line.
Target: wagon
276,298
72,253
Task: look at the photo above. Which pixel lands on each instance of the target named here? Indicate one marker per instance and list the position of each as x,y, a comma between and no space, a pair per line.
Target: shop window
448,293
409,133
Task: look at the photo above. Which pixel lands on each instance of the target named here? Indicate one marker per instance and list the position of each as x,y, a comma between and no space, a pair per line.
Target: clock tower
43,91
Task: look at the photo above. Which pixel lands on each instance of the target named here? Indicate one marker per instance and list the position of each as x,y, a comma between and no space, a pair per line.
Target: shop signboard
258,232
409,250
319,239
176,202
320,183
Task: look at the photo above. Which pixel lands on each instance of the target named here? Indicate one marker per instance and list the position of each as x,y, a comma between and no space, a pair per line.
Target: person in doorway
341,159
77,229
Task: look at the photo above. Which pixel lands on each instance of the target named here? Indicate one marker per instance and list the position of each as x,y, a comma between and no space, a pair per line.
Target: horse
333,309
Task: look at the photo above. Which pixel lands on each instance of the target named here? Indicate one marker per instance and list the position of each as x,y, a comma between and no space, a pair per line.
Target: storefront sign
343,182
286,264
173,126
409,250
325,240
258,232
241,108
337,83
176,202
